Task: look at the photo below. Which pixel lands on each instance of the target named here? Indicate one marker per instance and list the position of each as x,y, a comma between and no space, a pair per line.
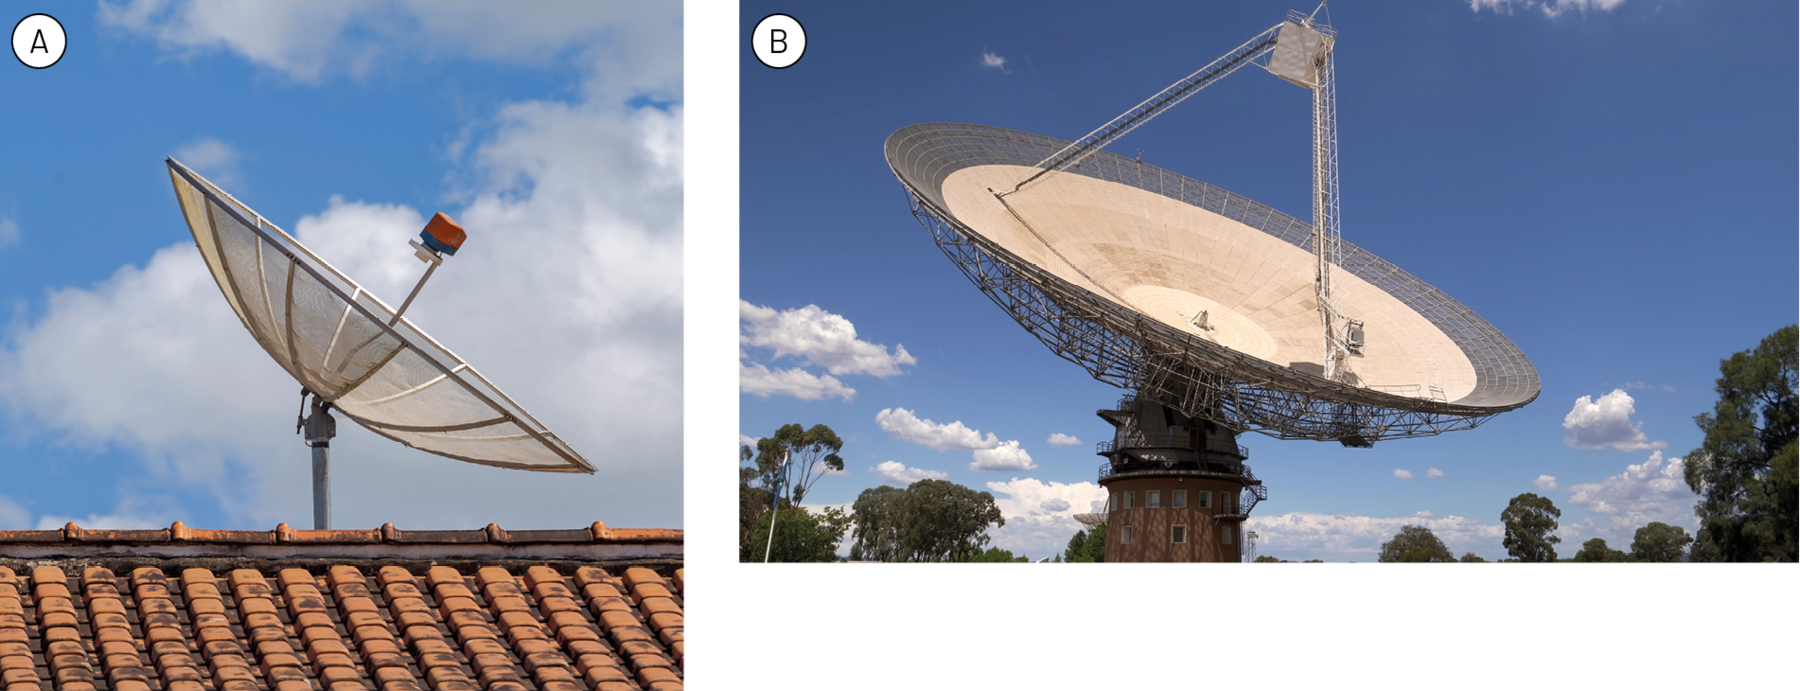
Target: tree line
1529,519
929,520
1744,471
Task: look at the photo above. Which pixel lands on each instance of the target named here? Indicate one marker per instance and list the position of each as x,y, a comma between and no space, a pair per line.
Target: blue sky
1602,181
130,395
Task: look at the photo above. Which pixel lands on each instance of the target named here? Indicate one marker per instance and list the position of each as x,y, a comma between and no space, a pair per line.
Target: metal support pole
321,453
775,512
320,428
414,293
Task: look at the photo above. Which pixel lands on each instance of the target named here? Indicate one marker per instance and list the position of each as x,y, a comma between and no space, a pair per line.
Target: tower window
1178,534
1154,498
1131,500
1203,500
1125,535
1225,535
1179,500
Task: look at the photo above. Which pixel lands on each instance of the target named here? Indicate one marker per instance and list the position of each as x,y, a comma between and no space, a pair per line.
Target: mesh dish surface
345,345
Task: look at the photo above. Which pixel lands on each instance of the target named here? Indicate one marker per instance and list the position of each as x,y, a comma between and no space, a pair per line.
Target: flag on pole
780,483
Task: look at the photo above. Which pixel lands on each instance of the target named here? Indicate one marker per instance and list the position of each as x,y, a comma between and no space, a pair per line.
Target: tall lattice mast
1298,50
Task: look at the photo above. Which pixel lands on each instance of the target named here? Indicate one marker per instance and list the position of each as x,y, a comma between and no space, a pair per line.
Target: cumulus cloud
1606,423
757,379
1402,474
1433,472
898,473
568,295
1545,482
1005,457
310,40
989,59
1060,439
130,513
820,338
906,426
1344,537
1654,490
748,440
12,515
213,159
9,232
1550,8
1040,515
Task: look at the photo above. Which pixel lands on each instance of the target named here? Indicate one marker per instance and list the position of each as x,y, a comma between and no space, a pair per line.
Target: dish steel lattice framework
1172,366
353,351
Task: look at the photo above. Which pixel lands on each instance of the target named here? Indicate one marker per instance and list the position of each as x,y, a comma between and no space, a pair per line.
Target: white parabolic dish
347,347
1111,262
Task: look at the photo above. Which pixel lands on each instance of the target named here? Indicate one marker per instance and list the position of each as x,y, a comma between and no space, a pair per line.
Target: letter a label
38,41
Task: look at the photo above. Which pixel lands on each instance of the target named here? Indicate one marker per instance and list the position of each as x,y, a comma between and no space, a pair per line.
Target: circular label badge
38,41
778,40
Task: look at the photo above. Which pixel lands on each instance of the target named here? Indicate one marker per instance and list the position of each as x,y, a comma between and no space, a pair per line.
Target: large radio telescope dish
350,349
1197,298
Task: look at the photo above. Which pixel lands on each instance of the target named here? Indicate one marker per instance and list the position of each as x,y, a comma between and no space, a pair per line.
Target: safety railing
1110,469
1173,441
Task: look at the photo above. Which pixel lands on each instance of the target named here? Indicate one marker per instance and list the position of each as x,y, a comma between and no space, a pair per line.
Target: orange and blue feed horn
443,235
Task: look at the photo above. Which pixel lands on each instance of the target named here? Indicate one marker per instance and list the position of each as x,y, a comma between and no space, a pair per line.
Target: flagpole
776,510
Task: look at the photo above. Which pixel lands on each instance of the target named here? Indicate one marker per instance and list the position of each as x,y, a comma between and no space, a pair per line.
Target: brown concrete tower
1177,486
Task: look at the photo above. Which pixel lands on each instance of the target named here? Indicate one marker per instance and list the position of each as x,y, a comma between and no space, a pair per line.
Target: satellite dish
1114,260
1220,314
354,354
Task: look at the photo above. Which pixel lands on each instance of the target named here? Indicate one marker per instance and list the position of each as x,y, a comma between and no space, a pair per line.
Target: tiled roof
111,610
595,542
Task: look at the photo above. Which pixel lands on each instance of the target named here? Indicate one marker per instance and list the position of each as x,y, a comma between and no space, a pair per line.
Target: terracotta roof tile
183,609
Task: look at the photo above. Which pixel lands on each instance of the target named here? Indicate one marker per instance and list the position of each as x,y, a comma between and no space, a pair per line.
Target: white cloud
898,473
1342,537
1005,457
1060,439
1597,424
1654,490
1550,8
1402,474
756,379
1545,482
130,513
567,295
215,160
748,440
1433,472
821,338
1034,526
9,233
906,426
308,40
989,59
12,515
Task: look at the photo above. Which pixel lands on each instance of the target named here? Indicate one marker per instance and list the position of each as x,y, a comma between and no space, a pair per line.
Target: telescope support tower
1177,486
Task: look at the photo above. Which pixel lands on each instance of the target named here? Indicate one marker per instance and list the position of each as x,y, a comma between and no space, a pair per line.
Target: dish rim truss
408,336
1120,346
